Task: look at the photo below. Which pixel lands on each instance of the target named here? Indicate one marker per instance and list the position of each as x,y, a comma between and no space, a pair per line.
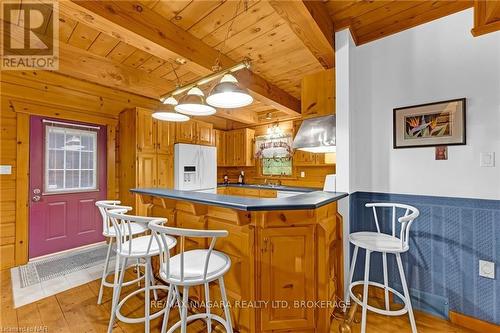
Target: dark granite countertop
310,200
271,187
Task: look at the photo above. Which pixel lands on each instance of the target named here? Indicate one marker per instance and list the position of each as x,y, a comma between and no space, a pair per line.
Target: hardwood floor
76,310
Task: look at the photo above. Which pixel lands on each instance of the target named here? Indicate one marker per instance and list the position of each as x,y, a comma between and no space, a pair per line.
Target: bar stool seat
194,263
143,246
136,229
374,241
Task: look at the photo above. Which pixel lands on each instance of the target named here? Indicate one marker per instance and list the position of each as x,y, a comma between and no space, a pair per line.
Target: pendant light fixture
227,93
170,114
193,104
171,102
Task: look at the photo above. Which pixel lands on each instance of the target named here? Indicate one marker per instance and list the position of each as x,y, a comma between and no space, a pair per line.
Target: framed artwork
432,124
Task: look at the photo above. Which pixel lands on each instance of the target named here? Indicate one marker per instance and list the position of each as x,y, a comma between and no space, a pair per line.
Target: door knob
36,198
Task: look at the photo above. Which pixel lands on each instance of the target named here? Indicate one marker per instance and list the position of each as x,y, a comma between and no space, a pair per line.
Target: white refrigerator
195,168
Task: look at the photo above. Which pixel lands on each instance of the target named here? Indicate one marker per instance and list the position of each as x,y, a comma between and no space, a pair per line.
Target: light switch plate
5,169
487,269
487,159
302,174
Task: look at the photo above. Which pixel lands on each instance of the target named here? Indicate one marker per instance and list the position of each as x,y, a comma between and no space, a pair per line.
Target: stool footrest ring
212,316
127,283
378,310
137,320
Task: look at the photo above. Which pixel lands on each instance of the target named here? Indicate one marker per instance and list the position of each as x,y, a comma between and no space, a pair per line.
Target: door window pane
70,159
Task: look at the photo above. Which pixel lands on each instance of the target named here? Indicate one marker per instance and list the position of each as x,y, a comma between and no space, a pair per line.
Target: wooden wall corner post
22,188
111,160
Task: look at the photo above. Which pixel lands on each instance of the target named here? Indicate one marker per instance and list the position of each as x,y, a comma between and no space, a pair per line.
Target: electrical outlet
487,159
487,269
302,174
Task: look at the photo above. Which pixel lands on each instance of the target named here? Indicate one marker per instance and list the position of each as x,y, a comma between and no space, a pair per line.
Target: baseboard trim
474,324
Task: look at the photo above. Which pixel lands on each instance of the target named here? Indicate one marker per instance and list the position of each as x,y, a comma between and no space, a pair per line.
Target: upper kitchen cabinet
146,131
165,137
145,154
220,144
318,94
195,132
152,136
239,147
204,133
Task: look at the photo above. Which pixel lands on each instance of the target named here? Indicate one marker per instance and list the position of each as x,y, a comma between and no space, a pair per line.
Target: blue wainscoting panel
446,242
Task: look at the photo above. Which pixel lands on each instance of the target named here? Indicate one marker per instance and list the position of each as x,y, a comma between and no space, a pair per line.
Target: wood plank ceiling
369,20
285,40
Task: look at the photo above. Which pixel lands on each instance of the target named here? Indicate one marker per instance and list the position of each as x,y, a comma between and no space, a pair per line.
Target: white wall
343,48
436,61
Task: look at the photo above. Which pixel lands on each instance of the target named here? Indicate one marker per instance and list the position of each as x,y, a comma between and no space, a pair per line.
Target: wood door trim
22,172
22,188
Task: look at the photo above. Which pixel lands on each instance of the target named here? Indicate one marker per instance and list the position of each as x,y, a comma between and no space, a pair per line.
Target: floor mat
60,265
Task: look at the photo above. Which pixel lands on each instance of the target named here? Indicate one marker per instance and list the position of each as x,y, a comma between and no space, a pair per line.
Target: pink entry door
67,177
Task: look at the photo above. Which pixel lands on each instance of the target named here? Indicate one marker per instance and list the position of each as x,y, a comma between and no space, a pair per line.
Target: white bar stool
384,243
128,247
109,232
191,268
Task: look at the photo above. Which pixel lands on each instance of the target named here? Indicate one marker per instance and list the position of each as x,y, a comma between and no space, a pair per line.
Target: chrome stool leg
105,271
365,291
406,293
207,307
227,312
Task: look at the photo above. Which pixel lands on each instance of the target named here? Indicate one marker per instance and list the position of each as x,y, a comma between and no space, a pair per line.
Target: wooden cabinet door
165,168
239,147
185,132
204,133
304,158
287,274
165,136
146,177
220,144
229,149
146,131
319,158
318,94
146,170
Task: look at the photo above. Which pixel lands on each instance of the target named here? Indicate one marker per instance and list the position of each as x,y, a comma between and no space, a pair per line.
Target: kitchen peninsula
286,252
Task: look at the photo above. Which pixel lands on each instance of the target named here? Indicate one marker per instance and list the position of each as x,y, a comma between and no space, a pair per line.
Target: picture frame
440,123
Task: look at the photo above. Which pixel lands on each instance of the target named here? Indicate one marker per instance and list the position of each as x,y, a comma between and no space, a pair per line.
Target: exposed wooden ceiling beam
312,24
486,17
82,64
138,25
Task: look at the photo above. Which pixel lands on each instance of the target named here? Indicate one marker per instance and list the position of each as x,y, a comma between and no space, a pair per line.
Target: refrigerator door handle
200,168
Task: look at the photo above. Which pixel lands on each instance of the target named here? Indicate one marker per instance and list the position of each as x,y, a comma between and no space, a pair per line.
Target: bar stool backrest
103,206
406,220
161,232
122,224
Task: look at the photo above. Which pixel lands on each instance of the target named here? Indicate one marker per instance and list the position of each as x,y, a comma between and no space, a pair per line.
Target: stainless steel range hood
316,135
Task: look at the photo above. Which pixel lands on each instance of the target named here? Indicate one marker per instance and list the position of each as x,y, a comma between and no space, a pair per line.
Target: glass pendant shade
170,116
193,104
170,101
228,94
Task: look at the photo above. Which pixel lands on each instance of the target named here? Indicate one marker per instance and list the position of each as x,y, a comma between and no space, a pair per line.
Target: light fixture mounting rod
241,65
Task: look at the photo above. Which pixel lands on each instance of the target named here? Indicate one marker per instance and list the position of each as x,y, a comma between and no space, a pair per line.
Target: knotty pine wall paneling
57,96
